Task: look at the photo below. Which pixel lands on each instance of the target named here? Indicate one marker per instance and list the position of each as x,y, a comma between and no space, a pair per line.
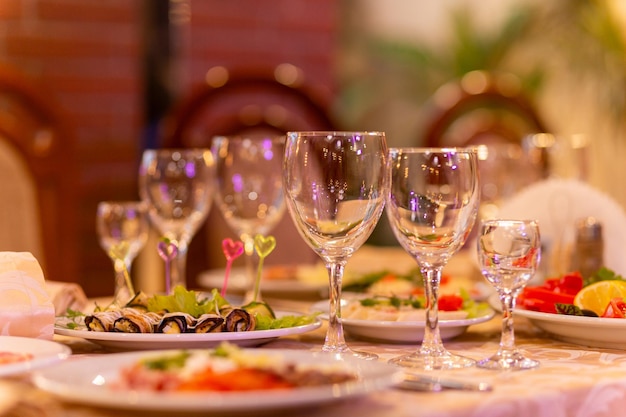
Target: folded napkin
26,308
557,204
66,295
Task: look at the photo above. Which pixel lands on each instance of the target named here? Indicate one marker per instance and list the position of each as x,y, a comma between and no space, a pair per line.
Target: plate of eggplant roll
185,319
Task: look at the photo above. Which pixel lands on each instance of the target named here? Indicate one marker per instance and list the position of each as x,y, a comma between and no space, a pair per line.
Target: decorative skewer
232,250
117,254
263,246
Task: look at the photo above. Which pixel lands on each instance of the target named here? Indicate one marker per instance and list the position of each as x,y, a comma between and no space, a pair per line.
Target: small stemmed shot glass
508,253
122,228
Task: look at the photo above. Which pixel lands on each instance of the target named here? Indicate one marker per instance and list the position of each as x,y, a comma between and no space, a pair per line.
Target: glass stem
335,340
179,269
432,343
507,340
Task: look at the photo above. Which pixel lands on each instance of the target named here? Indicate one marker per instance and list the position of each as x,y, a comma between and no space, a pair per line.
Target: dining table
572,380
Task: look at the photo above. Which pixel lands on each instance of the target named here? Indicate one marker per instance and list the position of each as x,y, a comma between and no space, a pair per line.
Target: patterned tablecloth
571,381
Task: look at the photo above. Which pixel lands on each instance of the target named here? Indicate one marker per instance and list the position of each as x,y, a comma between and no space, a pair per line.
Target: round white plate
239,283
44,352
149,341
400,331
91,380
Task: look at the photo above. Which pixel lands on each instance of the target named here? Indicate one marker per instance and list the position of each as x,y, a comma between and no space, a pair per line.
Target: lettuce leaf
186,301
266,323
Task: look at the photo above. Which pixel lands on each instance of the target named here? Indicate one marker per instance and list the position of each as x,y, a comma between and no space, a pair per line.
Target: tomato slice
450,302
547,295
567,284
615,309
536,304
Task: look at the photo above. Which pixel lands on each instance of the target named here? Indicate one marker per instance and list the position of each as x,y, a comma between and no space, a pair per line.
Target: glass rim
177,149
336,132
508,220
239,137
433,149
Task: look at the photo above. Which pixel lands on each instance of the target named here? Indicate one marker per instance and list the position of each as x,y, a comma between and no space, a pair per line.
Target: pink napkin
26,308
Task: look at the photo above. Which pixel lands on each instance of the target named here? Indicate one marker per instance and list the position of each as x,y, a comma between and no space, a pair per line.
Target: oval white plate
400,331
90,381
149,341
44,352
238,283
579,330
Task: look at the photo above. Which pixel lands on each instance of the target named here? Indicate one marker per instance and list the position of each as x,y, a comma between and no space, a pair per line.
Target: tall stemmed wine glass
335,187
122,228
177,185
508,253
249,189
432,206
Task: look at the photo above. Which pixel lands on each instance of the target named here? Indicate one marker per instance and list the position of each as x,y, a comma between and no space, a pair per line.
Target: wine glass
177,185
335,184
122,228
249,188
432,206
508,253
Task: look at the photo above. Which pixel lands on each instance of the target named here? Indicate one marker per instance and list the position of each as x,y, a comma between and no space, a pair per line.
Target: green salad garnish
186,301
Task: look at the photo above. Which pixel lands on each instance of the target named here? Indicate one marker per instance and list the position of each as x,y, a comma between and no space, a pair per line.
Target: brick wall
89,56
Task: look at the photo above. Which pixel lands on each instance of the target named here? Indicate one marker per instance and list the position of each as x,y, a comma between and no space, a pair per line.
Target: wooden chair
37,204
252,102
481,108
240,101
490,110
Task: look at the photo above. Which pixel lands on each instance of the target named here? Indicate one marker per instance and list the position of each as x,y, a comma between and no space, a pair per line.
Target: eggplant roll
139,302
176,323
136,323
102,321
209,323
239,320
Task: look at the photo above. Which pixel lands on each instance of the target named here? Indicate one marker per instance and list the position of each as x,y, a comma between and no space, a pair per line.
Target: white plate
579,330
239,283
149,341
44,352
400,331
90,381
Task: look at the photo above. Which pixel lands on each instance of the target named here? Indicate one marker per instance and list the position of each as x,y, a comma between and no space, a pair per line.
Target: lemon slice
596,297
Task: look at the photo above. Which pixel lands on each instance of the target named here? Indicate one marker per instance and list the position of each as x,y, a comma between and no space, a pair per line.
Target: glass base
347,352
427,362
508,360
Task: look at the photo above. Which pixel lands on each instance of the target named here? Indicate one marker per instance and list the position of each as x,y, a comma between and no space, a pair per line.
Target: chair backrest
481,108
37,204
273,100
251,102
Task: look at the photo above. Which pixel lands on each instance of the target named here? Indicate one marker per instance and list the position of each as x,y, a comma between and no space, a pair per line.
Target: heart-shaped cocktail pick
117,253
263,245
168,250
232,250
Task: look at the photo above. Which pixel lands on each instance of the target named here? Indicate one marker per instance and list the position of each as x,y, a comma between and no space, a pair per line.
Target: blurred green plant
383,83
